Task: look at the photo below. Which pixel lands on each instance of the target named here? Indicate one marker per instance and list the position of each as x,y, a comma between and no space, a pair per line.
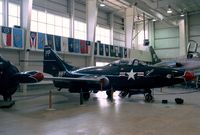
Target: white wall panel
167,43
80,11
54,6
119,32
166,40
194,27
102,19
194,19
194,30
167,53
167,33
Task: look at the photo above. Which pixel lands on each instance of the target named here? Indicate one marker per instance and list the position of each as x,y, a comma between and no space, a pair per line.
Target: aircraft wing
101,80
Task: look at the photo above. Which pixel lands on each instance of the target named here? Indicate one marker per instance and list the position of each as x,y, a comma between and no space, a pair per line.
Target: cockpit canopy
123,62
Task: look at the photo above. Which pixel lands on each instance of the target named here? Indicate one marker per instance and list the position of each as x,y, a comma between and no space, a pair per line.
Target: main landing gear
148,97
147,94
84,96
7,98
7,102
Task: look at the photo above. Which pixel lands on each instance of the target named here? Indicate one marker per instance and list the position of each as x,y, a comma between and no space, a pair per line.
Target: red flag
83,46
33,39
7,36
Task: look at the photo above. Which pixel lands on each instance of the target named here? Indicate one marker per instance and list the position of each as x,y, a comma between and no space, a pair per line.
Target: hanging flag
6,36
116,51
88,47
33,40
107,50
70,44
17,38
41,40
50,41
101,49
76,45
57,40
83,46
125,52
95,48
112,52
64,47
120,52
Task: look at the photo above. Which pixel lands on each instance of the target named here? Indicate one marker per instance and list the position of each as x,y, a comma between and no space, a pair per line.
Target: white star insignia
131,74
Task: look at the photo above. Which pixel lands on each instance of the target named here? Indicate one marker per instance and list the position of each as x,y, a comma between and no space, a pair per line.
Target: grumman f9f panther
127,76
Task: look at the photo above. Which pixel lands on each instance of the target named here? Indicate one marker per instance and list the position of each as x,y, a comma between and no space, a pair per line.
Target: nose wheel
7,98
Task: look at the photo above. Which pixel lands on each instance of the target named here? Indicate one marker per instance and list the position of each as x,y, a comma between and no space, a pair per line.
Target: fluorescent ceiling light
169,11
102,5
182,15
154,20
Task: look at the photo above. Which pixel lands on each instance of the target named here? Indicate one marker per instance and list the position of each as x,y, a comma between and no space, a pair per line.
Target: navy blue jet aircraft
10,78
123,75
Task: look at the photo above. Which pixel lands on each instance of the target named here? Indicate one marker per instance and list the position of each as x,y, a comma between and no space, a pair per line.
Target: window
13,14
103,35
79,30
49,23
1,14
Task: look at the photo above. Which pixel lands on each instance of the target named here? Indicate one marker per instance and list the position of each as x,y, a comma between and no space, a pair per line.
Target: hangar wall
119,31
166,39
194,27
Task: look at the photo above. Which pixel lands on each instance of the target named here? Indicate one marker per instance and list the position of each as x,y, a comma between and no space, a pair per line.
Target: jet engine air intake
188,75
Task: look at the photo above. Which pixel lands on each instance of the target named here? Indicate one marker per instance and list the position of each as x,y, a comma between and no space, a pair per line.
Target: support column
71,7
130,14
182,37
5,12
151,33
26,9
92,11
111,16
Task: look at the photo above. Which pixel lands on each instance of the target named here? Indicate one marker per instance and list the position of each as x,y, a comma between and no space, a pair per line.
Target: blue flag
17,38
76,45
41,40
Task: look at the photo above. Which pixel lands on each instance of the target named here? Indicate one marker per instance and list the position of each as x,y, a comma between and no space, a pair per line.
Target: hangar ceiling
155,8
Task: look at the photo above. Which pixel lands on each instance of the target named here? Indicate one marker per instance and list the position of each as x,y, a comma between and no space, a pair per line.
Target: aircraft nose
188,75
39,76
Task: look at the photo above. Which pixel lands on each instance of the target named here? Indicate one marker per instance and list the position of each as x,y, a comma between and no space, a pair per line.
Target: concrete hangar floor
99,116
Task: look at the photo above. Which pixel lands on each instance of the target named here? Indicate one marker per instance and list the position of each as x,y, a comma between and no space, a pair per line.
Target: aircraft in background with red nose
190,62
10,78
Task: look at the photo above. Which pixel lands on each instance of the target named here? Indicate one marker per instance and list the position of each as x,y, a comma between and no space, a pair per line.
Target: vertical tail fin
154,56
53,64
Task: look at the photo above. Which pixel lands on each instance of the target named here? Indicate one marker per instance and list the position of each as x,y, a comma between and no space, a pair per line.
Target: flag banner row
14,38
109,50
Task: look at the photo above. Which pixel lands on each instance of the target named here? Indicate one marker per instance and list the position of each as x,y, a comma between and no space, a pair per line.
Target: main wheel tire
7,98
108,92
123,94
148,98
86,96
